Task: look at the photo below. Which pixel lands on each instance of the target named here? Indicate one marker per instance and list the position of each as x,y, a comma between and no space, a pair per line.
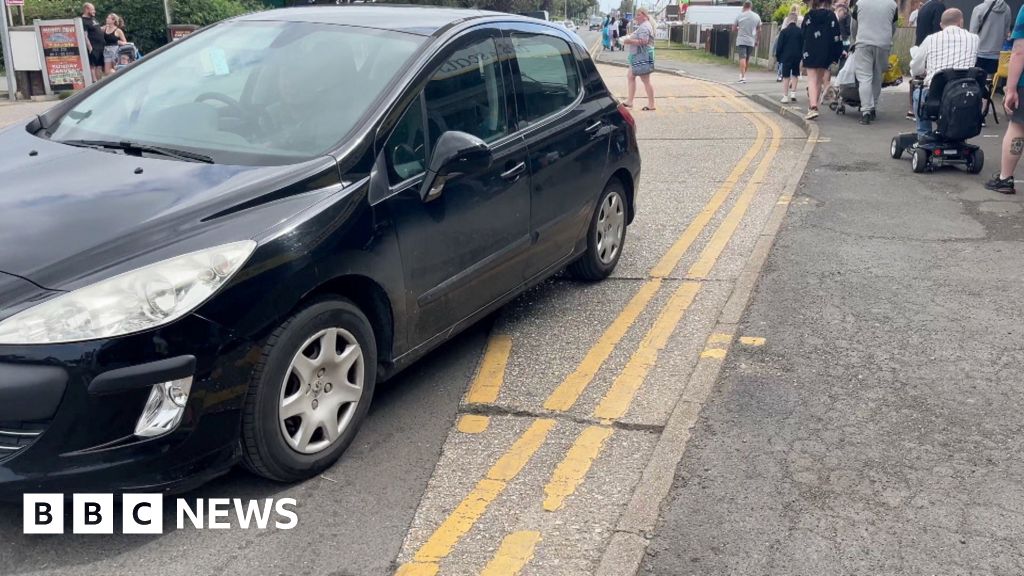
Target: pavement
878,430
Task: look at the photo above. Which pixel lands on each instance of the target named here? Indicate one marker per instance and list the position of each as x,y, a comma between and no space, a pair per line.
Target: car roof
424,20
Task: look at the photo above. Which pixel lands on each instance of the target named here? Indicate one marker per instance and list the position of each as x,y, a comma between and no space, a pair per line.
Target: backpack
960,112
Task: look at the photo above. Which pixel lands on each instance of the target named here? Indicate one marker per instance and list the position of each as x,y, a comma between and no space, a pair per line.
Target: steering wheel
223,99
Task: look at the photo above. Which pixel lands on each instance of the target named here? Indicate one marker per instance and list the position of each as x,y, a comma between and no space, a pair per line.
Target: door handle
514,172
594,127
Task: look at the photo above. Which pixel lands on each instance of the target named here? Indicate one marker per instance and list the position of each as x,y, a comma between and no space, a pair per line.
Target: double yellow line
517,548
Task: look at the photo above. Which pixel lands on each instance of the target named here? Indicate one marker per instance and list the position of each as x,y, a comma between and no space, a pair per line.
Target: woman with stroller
113,37
823,47
789,49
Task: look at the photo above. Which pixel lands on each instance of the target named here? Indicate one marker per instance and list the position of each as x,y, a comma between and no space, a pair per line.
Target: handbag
642,62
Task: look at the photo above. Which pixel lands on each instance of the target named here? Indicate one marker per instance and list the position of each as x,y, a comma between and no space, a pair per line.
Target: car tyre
269,449
606,235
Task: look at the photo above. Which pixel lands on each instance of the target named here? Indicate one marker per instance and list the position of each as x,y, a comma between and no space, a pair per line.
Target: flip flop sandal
646,109
627,105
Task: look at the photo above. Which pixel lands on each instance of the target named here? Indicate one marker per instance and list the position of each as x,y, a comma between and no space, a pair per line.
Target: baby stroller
845,91
954,103
126,55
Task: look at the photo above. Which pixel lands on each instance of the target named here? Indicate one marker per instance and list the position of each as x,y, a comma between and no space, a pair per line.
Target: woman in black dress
823,47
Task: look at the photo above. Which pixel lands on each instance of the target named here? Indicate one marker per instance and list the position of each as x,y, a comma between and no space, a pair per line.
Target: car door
567,141
468,247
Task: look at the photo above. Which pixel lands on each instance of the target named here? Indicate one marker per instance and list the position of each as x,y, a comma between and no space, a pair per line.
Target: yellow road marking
727,228
671,258
713,353
472,423
467,513
418,569
618,398
569,391
487,384
472,507
566,394
571,470
515,551
719,338
752,341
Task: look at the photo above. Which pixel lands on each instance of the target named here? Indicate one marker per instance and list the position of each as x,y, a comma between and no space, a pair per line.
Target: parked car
214,256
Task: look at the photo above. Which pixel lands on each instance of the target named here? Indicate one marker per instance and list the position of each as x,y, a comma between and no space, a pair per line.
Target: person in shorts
1013,141
93,40
747,26
789,49
113,37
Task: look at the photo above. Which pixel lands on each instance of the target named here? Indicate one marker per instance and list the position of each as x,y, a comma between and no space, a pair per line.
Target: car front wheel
605,236
311,391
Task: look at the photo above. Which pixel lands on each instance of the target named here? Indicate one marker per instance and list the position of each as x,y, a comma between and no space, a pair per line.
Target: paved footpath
879,429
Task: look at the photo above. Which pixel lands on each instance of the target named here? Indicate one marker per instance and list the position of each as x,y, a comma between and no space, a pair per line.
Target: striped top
953,47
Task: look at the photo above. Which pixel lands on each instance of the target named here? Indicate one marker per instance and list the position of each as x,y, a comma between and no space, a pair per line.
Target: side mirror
455,153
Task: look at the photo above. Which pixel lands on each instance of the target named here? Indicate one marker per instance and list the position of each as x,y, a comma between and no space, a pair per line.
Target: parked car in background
206,260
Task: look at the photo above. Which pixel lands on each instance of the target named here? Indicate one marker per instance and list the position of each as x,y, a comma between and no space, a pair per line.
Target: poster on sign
62,43
15,2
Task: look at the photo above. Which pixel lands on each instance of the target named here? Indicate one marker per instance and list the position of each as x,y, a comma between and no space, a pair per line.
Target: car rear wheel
605,236
311,391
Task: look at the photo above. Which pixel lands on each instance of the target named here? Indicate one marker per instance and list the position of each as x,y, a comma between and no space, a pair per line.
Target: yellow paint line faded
418,569
714,248
571,470
566,394
515,551
618,398
719,338
461,520
472,423
752,341
713,353
491,375
668,262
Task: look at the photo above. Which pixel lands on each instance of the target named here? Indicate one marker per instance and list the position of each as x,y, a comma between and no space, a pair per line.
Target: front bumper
68,411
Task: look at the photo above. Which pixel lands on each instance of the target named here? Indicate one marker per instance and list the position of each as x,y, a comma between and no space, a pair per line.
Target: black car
213,256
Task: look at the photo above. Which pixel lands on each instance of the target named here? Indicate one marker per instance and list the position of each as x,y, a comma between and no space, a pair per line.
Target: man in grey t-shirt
747,26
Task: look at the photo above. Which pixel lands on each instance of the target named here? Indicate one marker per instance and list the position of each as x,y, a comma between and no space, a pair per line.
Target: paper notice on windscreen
214,62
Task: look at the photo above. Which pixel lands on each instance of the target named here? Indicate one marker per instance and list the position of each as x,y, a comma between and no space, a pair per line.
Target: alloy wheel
611,226
322,388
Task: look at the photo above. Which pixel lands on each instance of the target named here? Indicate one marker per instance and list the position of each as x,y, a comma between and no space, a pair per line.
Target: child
789,50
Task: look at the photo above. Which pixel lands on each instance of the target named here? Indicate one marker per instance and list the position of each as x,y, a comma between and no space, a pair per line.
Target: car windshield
244,92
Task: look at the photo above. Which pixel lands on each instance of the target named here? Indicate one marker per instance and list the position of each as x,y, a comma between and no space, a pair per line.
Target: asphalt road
520,459
878,430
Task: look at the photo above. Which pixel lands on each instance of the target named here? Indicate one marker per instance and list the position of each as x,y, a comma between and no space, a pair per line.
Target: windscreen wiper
136,149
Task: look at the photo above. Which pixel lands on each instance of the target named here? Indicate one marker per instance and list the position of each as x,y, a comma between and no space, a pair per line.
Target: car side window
548,75
405,149
467,94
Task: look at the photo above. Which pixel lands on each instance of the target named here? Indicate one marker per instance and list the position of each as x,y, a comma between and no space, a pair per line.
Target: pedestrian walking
641,58
991,21
747,27
822,47
1013,140
789,50
606,34
113,36
876,26
623,28
929,20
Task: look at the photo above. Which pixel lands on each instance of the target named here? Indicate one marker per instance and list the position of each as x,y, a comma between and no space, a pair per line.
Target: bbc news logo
144,514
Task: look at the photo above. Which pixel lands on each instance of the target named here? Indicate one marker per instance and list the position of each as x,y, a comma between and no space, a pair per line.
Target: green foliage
783,10
144,19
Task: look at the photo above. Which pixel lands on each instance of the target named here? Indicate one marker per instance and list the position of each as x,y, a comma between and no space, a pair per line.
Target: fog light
164,409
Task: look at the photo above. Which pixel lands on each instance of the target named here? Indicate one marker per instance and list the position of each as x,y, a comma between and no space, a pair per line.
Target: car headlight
131,302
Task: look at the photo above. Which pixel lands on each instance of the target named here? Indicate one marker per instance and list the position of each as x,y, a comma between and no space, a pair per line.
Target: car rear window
246,92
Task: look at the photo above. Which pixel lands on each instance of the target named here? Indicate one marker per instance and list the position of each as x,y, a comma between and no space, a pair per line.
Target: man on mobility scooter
950,94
